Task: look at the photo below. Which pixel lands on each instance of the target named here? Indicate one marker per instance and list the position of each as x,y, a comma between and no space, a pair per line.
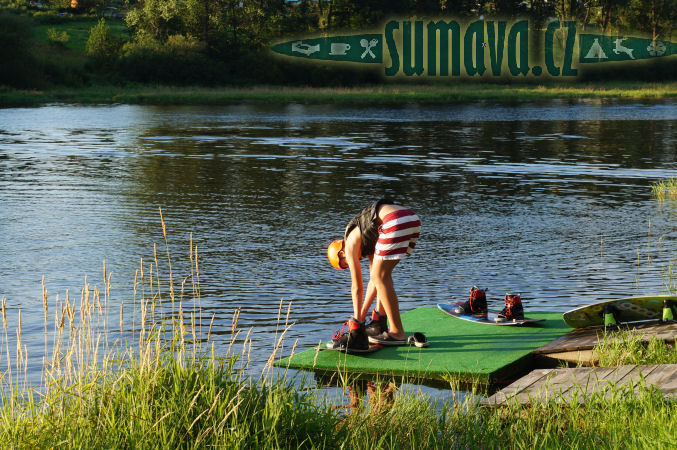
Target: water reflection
551,200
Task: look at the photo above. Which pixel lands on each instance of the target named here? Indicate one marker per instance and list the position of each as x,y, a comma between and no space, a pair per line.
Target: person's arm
353,251
370,295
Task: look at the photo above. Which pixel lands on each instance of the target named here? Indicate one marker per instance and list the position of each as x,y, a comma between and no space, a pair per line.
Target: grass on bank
153,378
168,403
665,189
628,347
386,94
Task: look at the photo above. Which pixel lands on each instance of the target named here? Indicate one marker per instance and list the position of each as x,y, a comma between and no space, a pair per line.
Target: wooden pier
578,384
577,346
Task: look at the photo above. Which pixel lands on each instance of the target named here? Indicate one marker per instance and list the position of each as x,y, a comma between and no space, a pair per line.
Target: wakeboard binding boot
378,324
475,306
610,316
354,340
512,311
669,311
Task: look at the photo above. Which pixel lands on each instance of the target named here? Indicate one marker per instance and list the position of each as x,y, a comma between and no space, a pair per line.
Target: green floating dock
460,350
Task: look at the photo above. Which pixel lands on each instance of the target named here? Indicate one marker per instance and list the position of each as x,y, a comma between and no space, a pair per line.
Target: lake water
551,200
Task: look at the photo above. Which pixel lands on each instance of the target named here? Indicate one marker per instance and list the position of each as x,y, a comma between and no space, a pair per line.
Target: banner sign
497,48
597,48
360,48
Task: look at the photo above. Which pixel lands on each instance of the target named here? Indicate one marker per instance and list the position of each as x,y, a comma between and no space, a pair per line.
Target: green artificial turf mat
459,349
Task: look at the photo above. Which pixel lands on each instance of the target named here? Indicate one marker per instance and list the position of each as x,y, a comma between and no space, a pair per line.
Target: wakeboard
489,320
631,309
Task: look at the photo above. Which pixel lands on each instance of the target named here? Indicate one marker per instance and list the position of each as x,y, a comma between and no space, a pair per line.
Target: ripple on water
551,200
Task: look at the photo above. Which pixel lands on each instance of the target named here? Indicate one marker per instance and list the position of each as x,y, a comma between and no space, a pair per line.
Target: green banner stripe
596,48
360,48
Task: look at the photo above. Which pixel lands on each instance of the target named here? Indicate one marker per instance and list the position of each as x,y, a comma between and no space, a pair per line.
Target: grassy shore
169,396
386,94
156,380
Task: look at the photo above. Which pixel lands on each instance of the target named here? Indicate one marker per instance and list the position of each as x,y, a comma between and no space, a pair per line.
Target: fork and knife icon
368,45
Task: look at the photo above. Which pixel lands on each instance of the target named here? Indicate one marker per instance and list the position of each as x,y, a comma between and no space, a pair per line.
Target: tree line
250,24
239,31
235,34
211,42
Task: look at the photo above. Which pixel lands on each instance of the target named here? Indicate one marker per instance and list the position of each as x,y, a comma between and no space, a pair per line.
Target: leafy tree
157,18
655,17
610,12
101,44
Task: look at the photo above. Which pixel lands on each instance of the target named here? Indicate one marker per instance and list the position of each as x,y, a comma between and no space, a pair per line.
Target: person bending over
384,233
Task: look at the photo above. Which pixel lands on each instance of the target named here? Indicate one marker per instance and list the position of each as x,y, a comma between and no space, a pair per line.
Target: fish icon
305,49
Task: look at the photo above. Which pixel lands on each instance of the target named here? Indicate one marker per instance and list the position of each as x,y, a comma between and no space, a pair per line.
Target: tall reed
665,189
157,383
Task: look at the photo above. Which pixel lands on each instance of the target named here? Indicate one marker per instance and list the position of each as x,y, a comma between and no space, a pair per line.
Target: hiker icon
621,49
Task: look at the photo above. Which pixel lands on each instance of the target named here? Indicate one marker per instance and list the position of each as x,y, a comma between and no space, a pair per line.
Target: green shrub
102,45
178,61
184,44
56,37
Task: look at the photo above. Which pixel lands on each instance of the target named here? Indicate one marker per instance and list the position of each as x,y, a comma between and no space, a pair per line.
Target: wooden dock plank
665,378
580,339
647,370
524,383
578,384
575,357
581,383
627,377
533,377
624,374
548,386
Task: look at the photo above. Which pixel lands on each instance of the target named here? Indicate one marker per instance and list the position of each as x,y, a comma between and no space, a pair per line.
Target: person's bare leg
381,274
